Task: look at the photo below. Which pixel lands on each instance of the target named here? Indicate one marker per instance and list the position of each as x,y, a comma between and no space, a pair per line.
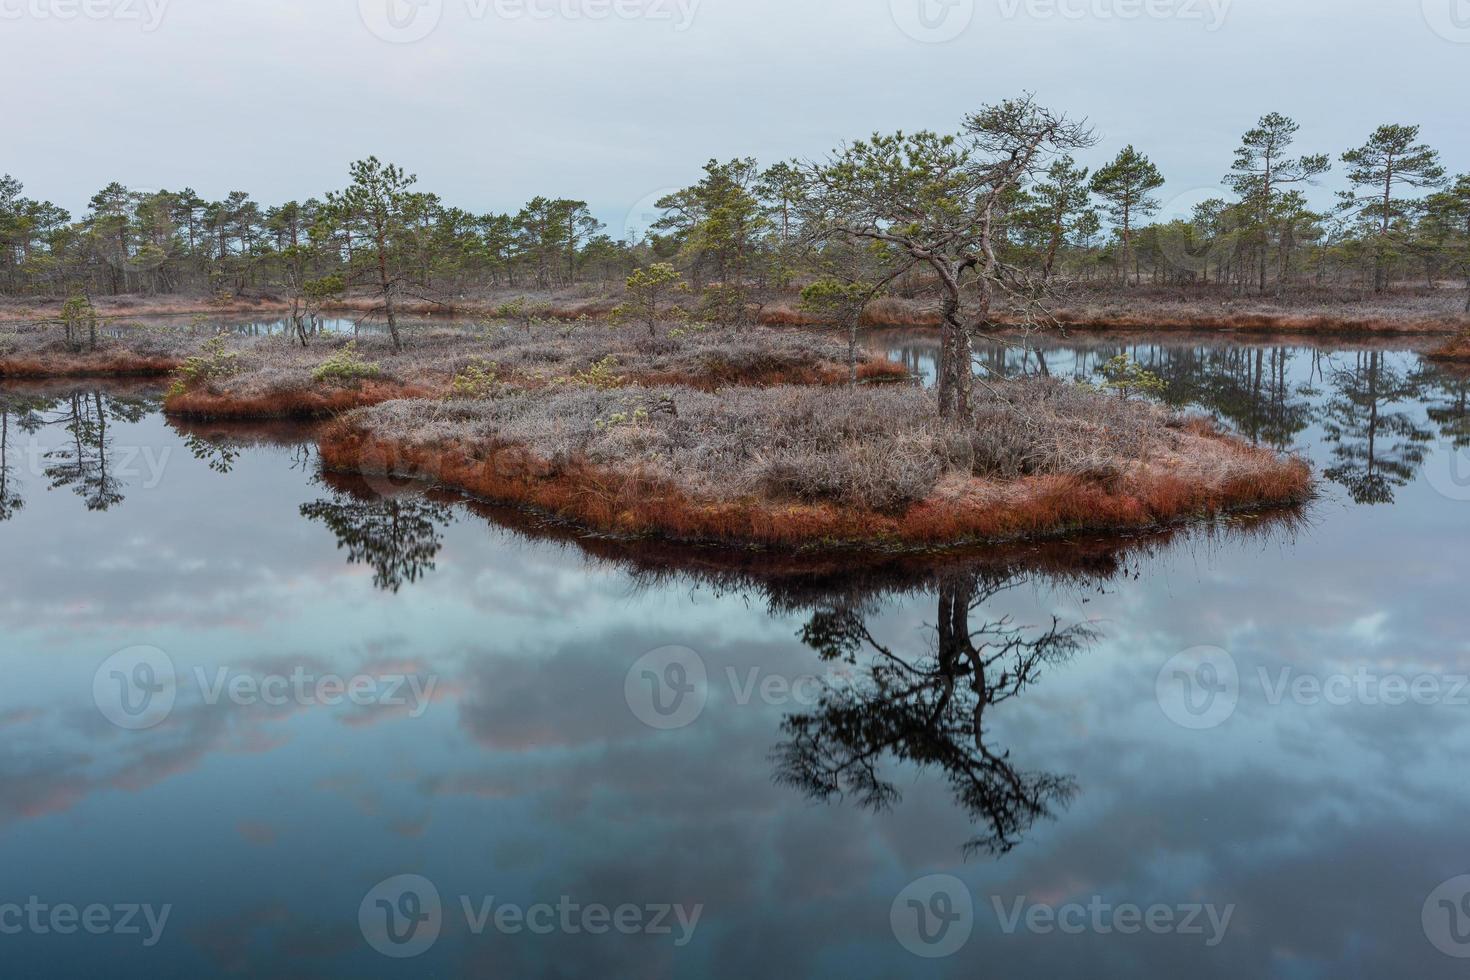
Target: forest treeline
742,229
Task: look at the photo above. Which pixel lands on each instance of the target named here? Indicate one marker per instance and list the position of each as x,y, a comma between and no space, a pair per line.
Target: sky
617,102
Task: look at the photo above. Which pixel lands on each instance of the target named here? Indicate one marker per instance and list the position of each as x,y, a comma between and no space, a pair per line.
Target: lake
263,720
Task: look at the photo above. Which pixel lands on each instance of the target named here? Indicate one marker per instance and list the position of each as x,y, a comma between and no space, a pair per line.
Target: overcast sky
617,101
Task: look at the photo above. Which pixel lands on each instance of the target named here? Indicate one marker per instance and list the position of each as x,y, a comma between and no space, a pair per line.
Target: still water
262,720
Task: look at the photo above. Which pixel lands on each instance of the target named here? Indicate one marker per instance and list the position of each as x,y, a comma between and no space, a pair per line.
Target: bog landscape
709,382
950,550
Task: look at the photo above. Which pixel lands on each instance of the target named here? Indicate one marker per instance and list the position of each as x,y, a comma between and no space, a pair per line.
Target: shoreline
821,554
633,500
1142,312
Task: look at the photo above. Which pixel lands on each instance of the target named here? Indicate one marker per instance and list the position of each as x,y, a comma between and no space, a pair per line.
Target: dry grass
1302,308
1155,309
127,351
1456,350
797,467
275,378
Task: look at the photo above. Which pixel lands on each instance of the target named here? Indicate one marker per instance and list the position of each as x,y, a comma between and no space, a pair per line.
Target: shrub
216,361
79,317
646,289
345,367
1125,376
523,311
600,375
478,379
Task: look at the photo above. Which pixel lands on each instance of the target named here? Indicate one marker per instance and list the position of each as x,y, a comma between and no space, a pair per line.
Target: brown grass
289,403
1456,350
1302,309
894,312
104,364
840,490
715,377
272,378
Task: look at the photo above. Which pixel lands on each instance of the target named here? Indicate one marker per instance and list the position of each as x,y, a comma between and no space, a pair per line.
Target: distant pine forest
857,221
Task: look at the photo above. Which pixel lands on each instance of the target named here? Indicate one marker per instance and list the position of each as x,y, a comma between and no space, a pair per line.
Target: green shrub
214,362
479,379
1125,376
600,375
345,367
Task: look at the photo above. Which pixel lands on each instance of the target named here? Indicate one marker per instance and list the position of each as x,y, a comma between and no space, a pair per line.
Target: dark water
1230,753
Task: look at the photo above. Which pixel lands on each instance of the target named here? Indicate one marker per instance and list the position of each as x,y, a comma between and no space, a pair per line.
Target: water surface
789,753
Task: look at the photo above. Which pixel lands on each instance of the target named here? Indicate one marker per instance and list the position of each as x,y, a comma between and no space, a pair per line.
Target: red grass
307,403
630,503
87,366
1456,350
869,369
891,312
298,403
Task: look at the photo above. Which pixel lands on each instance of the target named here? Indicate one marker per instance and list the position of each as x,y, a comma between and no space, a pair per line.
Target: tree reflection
18,415
398,537
1376,448
84,461
1447,401
929,710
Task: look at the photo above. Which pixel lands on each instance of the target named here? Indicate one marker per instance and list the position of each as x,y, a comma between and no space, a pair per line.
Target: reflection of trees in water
1248,387
12,419
398,537
84,460
218,454
928,709
17,416
1376,447
1447,401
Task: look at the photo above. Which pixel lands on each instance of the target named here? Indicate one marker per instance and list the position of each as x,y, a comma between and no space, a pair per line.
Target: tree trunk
387,286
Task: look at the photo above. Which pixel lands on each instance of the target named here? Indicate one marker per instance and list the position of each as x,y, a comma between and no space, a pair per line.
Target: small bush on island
216,362
345,367
796,466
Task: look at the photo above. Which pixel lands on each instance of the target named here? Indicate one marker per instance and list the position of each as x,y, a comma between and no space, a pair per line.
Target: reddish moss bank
288,403
1457,351
112,364
846,492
